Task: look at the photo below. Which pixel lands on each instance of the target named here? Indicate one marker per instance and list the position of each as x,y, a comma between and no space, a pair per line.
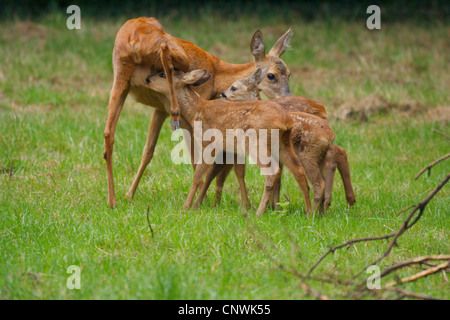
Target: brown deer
137,51
222,116
308,134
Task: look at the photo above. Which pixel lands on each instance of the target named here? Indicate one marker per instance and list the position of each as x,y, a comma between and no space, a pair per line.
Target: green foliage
291,11
54,89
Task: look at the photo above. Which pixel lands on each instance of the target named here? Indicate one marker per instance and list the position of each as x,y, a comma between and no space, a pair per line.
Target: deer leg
344,169
119,92
271,181
239,170
289,158
147,155
330,171
190,141
311,164
276,192
199,173
220,180
216,168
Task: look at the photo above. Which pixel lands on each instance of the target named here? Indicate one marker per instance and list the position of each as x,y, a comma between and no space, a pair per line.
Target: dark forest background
400,10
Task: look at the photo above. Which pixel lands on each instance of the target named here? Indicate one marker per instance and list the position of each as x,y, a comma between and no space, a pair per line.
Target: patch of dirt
363,109
439,114
30,30
25,31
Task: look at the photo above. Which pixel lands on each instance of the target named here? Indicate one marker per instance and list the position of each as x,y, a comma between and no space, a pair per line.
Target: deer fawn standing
223,116
137,50
312,139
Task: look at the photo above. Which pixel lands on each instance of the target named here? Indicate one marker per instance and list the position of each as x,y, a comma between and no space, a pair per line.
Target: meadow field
385,91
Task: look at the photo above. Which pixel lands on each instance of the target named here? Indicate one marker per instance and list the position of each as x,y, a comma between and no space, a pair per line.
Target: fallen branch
407,294
407,224
413,217
419,275
428,167
313,292
441,133
348,243
148,220
306,288
418,260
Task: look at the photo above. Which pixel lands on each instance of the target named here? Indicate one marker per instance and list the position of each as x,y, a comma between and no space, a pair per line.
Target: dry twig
428,167
148,220
413,217
418,260
407,294
419,275
441,133
407,224
306,288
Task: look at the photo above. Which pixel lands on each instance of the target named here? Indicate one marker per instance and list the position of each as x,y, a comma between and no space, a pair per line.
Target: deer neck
227,73
190,103
254,95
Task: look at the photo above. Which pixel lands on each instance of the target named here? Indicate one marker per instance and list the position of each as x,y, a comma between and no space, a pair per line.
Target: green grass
54,89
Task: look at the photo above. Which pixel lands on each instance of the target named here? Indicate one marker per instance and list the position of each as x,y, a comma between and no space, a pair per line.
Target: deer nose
223,95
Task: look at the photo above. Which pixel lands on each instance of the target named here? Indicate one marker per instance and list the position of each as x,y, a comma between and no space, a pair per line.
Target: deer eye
270,76
232,89
162,75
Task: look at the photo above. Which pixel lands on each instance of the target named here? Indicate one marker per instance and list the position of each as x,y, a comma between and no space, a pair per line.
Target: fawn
137,50
312,139
225,115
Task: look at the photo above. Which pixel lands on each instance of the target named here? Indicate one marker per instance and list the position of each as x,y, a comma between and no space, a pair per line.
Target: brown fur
223,115
337,158
302,104
136,54
312,140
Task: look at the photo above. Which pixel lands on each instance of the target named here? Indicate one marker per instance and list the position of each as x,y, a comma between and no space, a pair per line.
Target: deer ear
282,44
257,46
262,75
257,76
196,77
254,77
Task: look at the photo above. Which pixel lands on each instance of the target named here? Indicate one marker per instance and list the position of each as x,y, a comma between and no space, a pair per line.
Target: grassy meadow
385,91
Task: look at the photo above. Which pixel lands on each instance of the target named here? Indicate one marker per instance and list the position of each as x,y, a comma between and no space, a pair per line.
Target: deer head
245,89
158,81
275,83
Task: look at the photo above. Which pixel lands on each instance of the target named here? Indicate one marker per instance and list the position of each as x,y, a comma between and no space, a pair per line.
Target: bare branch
420,207
313,292
282,267
418,260
404,293
419,275
348,243
428,167
148,220
441,133
425,273
406,225
416,212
